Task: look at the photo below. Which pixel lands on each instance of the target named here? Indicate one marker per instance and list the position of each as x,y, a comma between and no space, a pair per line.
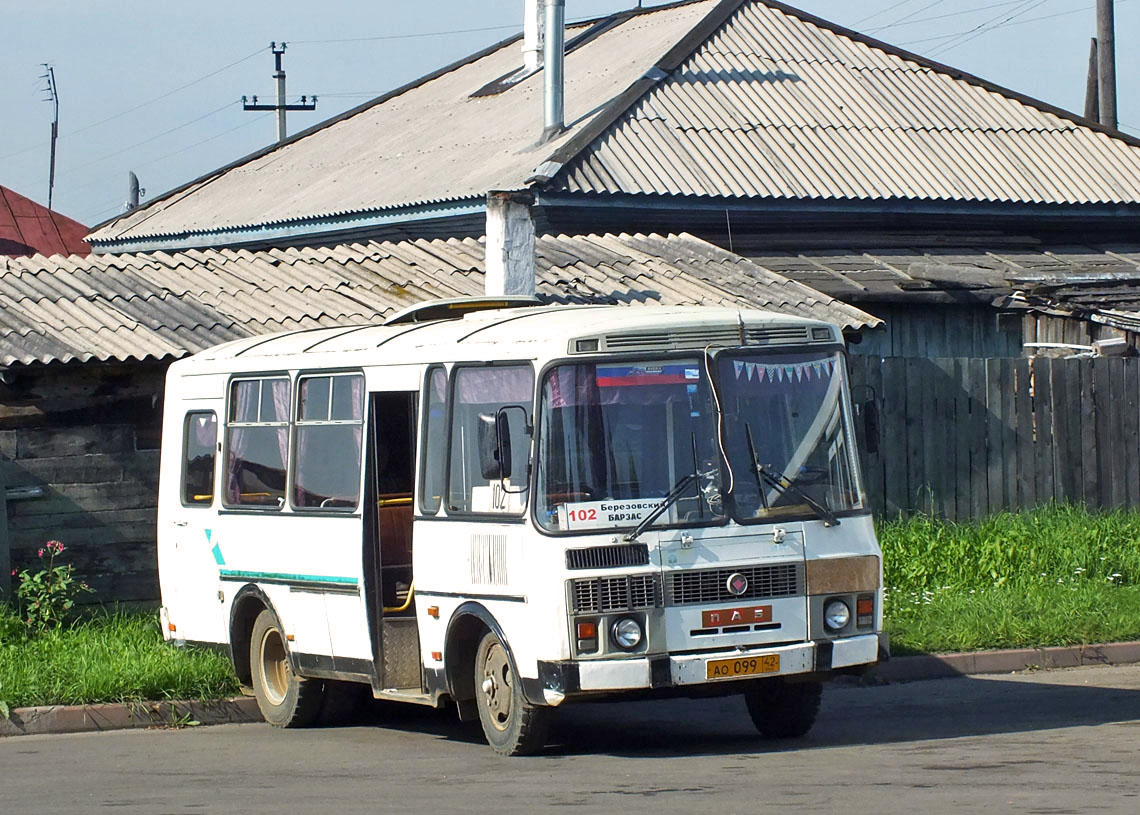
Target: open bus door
389,589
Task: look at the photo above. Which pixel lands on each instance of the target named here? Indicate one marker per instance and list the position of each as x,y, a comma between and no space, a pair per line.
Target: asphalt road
1056,742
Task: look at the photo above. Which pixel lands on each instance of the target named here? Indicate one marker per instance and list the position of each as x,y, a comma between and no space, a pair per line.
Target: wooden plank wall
88,436
962,438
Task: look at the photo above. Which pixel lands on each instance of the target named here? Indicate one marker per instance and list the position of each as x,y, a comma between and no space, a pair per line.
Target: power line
172,153
141,105
913,13
983,28
414,35
1004,25
880,11
406,36
922,20
155,137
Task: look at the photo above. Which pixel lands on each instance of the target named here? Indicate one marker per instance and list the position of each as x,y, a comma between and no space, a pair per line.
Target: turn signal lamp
865,611
587,636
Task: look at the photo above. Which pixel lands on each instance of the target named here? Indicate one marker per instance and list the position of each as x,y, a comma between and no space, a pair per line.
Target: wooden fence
962,438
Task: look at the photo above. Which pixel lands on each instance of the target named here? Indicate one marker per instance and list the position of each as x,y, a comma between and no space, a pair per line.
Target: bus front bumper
557,680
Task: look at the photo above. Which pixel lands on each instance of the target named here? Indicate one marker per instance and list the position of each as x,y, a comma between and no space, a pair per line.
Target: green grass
1057,575
111,657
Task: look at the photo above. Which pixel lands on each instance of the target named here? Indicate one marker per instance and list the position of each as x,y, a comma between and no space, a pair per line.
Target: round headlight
836,615
626,633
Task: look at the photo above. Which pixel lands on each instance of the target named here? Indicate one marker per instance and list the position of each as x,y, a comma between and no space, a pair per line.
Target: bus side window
257,442
479,392
330,427
435,441
199,443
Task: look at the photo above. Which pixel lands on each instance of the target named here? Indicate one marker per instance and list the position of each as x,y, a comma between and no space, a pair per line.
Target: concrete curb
243,709
29,721
939,666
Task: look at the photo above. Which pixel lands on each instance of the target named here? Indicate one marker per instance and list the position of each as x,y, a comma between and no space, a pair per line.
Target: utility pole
1106,62
1092,86
280,107
53,97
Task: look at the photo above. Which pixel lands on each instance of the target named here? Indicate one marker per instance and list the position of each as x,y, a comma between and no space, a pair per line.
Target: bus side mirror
494,446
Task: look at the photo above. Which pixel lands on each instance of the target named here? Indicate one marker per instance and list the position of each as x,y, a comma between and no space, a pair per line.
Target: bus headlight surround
626,633
836,615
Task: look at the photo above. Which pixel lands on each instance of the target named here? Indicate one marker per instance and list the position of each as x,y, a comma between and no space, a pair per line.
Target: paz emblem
736,584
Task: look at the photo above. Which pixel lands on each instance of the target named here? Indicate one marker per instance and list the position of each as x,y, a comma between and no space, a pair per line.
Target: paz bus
510,507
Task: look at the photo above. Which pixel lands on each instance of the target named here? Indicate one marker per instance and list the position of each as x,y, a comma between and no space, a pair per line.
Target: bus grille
709,585
776,335
599,595
607,557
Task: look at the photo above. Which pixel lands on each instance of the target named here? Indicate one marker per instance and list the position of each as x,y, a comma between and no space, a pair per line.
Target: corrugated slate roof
430,143
735,99
1096,282
777,104
159,305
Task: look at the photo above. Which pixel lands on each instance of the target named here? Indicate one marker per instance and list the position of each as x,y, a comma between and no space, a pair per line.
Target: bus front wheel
512,725
783,710
285,699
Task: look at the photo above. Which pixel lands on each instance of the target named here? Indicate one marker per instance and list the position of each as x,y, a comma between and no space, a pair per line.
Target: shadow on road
917,711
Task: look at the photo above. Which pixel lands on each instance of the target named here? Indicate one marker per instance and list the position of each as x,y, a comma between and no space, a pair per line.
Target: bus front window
616,437
786,435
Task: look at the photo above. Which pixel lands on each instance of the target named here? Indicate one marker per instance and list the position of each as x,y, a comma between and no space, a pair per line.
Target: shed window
330,427
200,441
478,395
257,442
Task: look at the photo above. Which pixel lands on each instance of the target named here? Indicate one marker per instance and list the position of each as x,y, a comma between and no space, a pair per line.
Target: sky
155,86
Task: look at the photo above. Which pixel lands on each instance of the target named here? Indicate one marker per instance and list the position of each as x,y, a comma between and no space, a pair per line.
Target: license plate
742,666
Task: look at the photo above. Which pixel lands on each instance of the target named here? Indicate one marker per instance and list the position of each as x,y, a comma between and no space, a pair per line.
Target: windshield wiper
670,498
783,485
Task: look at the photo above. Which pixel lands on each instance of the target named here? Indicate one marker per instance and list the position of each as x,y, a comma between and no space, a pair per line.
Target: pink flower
40,553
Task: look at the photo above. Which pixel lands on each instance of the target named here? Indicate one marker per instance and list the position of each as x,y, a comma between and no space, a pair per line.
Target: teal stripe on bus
299,578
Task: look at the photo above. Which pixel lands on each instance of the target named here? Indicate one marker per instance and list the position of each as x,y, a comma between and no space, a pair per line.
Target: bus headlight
626,633
836,615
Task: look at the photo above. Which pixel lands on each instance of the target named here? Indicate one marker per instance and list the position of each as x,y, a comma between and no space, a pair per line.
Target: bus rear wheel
511,724
783,710
285,699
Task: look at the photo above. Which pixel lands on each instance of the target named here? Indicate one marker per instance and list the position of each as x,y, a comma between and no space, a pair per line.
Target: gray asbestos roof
736,99
1093,282
159,305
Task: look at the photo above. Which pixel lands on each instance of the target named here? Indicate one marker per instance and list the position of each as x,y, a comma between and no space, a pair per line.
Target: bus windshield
617,437
786,435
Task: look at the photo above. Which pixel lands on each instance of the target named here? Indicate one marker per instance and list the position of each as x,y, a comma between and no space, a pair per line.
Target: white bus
508,507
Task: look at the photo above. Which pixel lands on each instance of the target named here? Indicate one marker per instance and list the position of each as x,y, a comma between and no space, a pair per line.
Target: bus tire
511,724
285,699
783,710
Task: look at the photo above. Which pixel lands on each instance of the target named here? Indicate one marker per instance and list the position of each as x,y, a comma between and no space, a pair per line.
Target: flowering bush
48,594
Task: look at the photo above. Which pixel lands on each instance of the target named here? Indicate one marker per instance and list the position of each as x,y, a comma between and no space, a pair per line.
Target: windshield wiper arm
785,485
670,498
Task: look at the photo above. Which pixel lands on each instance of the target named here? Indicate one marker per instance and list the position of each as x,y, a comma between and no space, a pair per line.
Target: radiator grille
709,585
697,337
599,595
776,335
607,557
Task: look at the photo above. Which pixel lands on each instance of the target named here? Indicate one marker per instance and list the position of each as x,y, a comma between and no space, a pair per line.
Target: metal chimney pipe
532,35
553,58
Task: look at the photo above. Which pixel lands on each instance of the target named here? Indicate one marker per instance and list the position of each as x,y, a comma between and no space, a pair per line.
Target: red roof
26,228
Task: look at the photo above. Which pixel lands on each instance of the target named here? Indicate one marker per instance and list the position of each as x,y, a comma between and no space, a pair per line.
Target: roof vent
454,309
